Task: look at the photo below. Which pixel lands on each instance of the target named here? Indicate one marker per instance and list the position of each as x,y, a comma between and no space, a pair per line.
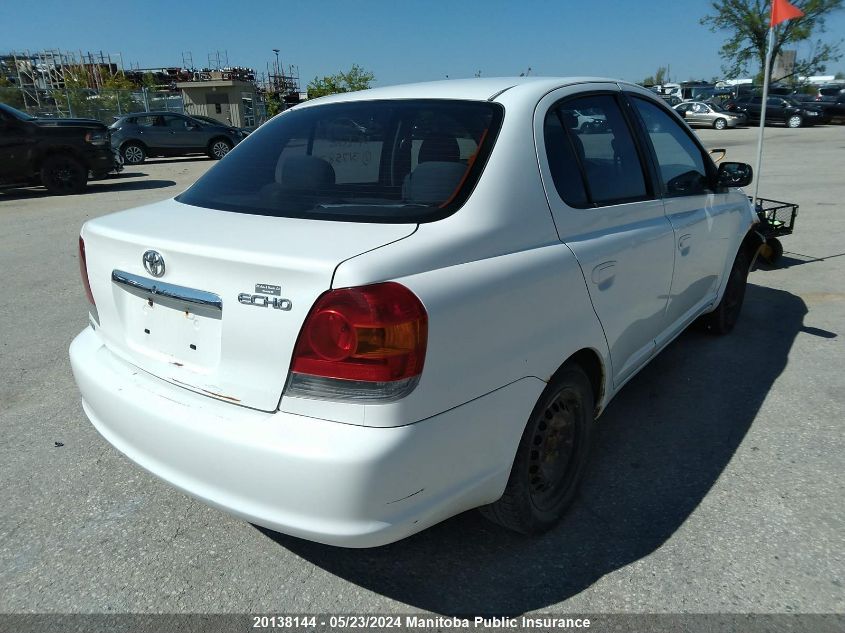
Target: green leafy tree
356,78
657,79
273,103
10,94
113,98
746,23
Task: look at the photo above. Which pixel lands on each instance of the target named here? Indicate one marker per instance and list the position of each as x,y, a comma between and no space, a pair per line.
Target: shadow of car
661,446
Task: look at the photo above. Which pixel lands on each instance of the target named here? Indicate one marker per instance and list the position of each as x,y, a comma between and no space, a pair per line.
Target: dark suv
144,134
61,154
786,110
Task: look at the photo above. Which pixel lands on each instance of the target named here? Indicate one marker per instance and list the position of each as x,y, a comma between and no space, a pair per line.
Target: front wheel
723,319
551,457
720,124
794,121
219,149
62,174
771,251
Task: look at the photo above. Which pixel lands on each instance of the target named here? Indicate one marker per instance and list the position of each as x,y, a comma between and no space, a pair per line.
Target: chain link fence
103,105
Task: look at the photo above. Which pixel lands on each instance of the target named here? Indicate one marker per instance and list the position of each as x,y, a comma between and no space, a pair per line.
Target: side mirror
734,174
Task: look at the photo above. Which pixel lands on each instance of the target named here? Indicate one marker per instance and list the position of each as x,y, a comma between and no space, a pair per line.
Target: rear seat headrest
305,172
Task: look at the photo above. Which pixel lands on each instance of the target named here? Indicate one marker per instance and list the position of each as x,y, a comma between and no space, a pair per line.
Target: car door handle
603,274
684,243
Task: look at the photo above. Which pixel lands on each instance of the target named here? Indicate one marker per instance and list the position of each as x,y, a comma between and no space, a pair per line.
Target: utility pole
276,72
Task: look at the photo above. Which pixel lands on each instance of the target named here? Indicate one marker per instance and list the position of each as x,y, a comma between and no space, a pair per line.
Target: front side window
372,161
681,163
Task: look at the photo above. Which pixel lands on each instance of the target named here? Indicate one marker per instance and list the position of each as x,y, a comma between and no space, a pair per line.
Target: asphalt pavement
716,484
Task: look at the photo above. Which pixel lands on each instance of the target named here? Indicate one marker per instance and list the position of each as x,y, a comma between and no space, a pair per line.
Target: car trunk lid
223,317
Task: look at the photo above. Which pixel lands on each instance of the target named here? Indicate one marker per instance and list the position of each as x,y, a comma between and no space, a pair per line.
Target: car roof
486,89
154,113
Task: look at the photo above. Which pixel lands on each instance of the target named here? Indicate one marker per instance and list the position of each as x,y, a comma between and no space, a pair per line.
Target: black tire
544,479
723,319
794,121
720,124
63,174
219,147
133,153
772,251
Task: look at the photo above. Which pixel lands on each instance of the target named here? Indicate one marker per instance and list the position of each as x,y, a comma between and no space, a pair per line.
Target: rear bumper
101,161
339,484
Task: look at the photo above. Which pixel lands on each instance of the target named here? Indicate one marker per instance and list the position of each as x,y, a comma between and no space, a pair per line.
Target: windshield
717,107
22,116
369,161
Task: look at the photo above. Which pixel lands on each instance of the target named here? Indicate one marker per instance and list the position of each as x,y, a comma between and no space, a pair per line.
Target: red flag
783,11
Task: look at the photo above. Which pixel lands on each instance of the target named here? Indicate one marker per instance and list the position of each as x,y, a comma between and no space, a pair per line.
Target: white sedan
350,335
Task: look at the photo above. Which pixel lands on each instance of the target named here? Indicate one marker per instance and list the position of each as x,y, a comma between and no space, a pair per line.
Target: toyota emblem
154,263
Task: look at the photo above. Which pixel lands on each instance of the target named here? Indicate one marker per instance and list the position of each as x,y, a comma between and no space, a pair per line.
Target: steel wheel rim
551,462
220,149
133,154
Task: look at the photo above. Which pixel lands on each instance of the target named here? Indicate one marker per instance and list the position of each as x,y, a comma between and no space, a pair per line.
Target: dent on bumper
329,482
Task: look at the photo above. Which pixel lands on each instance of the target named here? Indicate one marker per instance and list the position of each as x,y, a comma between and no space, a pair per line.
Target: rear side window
599,149
373,161
680,161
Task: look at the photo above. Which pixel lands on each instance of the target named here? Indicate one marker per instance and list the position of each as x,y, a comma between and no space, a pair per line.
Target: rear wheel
63,174
794,121
219,148
551,457
133,154
720,124
726,314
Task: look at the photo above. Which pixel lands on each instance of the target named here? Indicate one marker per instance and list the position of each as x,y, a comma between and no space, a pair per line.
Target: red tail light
83,270
365,343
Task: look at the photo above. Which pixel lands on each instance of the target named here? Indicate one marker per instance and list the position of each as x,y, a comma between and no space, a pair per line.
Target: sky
399,41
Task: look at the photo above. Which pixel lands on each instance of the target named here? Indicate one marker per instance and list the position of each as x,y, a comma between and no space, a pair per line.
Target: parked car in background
143,134
830,92
61,154
672,100
778,110
591,121
699,113
211,121
352,340
836,110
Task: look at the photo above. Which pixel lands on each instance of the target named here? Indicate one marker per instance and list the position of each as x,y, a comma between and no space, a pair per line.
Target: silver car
699,113
143,134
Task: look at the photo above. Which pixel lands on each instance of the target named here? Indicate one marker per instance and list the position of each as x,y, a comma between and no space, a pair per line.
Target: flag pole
766,77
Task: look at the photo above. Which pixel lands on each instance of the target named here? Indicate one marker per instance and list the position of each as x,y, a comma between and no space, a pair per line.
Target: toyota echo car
386,307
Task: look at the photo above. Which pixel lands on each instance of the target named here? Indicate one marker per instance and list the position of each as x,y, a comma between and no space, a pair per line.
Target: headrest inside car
305,172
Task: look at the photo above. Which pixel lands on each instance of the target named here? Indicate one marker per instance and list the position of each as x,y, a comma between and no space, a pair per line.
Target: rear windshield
370,161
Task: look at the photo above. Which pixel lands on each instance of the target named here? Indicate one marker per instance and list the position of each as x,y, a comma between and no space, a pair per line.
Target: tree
148,81
273,103
839,76
747,25
657,79
115,97
356,78
10,94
